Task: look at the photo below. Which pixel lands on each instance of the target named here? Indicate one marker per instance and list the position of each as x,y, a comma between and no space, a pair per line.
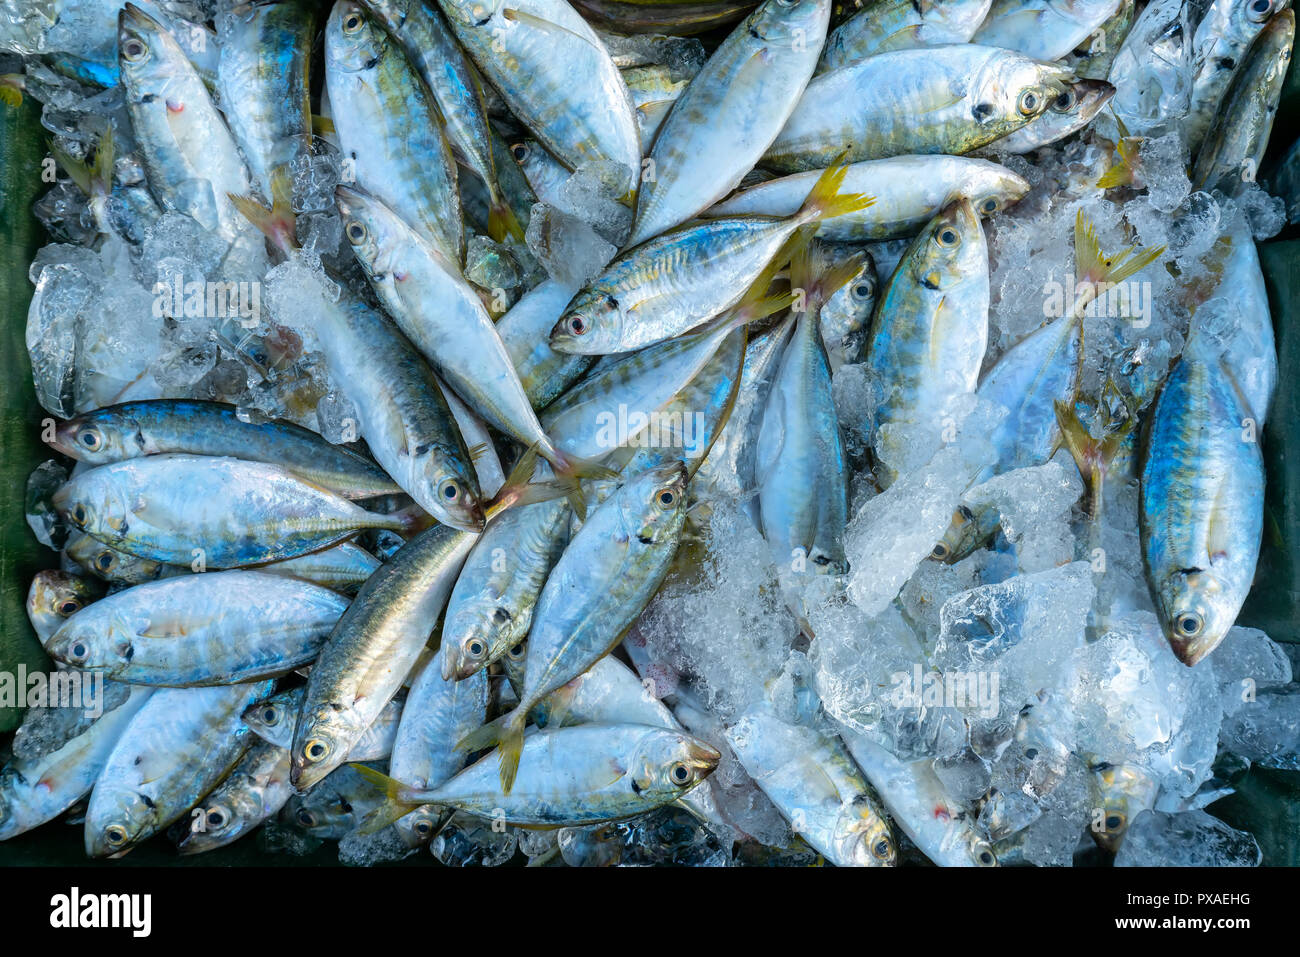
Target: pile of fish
647,432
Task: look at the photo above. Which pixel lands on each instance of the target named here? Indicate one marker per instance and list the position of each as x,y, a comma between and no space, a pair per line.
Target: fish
457,89
1153,70
34,791
1092,59
334,808
174,750
944,99
730,113
884,25
216,511
438,713
1043,29
161,426
654,91
803,496
525,331
491,606
191,158
812,780
217,628
572,776
111,564
402,413
1236,140
929,332
372,649
611,568
909,190
530,50
264,79
678,280
1201,512
1219,47
255,791
390,128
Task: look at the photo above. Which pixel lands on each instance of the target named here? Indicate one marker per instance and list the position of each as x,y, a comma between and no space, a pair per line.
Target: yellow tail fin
398,801
507,734
1093,266
278,222
825,200
502,221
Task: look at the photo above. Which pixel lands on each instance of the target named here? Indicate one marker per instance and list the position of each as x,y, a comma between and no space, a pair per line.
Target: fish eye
449,490
577,325
862,290
217,818
69,607
1189,624
305,817
516,653
666,498
519,151
90,439
940,551
80,514
105,561
115,834
947,237
1031,753
1065,102
881,849
134,50
424,827
79,651
270,716
1260,9
1114,822
985,857
1028,103
356,233
352,23
679,773
316,750
475,648
989,206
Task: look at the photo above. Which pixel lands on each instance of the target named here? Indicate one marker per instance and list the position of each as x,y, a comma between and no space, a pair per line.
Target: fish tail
11,89
1092,265
569,473
1123,172
405,521
519,489
94,176
502,221
398,800
506,733
278,222
825,199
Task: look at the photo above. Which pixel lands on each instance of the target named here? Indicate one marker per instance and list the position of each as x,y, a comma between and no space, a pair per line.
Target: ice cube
1187,839
569,248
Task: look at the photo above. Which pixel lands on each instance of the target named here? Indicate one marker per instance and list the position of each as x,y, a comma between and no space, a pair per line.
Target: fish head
667,763
320,813
1012,90
845,317
373,231
1246,15
83,643
268,719
419,827
354,39
1082,99
1120,793
55,597
863,837
458,502
320,743
962,537
979,851
118,818
1197,608
786,22
478,634
992,188
592,325
219,821
93,503
654,503
94,439
948,251
147,54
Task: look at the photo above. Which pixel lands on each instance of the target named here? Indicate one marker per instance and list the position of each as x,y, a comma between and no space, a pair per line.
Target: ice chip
1187,839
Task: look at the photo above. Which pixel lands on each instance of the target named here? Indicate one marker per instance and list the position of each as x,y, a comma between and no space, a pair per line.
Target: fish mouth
1191,650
